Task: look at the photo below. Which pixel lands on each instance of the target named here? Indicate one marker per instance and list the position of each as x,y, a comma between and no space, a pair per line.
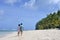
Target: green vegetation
51,21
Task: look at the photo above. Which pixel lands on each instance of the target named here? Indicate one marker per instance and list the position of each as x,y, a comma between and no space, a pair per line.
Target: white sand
34,35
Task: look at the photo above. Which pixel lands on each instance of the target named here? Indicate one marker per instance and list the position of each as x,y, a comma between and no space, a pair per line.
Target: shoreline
34,35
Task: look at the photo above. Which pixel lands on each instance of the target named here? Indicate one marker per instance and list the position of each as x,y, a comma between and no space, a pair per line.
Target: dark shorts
21,30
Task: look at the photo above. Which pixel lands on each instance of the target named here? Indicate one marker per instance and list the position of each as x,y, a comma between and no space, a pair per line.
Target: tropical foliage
51,21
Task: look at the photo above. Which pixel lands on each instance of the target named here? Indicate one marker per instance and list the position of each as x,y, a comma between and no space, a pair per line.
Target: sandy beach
34,35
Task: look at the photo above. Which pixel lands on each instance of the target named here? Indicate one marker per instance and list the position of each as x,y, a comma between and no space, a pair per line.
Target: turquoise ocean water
5,32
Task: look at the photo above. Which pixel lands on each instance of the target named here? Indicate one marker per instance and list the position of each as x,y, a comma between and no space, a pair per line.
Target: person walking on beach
20,29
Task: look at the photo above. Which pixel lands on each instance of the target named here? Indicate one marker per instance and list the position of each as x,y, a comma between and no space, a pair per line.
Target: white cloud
54,1
30,4
11,2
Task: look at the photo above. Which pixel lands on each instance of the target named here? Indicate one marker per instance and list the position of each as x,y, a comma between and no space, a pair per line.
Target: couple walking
20,29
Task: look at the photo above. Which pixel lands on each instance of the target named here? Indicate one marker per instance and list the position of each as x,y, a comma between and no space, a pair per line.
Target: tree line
51,21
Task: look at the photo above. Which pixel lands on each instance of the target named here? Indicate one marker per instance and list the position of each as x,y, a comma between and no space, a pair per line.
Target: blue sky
29,12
